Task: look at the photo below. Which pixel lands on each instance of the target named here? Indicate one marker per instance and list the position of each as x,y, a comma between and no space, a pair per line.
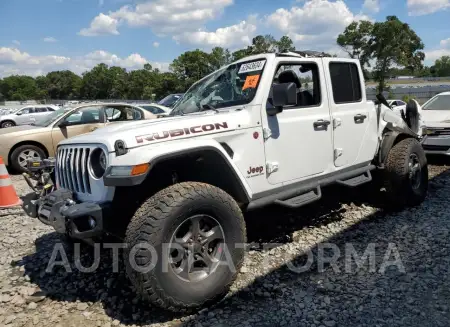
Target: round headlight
98,163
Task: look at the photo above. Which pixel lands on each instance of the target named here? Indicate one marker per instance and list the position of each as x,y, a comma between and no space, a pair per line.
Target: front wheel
20,156
406,173
7,123
185,245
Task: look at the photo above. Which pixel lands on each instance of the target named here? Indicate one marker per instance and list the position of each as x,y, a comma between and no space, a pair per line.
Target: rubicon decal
181,131
255,171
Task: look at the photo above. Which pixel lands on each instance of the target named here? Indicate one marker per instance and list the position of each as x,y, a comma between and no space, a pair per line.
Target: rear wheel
406,173
21,154
7,123
193,235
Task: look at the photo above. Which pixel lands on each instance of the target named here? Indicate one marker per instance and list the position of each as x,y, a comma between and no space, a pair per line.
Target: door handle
92,129
359,118
321,123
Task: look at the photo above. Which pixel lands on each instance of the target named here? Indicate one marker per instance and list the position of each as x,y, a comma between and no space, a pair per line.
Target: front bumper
78,220
436,144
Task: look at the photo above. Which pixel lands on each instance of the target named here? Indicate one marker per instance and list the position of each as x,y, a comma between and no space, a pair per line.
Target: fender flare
136,180
387,143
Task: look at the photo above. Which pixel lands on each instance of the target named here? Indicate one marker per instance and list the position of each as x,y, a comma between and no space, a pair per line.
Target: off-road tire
155,222
14,162
399,189
4,124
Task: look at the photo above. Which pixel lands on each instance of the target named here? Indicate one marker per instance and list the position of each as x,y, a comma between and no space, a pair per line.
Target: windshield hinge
267,133
271,167
336,122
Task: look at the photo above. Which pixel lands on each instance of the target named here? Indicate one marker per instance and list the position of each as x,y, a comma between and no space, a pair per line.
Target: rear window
345,82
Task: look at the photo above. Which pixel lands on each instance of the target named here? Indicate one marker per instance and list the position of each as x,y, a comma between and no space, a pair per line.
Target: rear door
354,124
300,143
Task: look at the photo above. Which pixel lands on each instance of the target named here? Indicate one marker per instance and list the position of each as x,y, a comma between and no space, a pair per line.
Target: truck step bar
301,200
357,180
291,192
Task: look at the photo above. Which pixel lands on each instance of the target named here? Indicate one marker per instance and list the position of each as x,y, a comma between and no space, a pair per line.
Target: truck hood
22,130
433,117
164,129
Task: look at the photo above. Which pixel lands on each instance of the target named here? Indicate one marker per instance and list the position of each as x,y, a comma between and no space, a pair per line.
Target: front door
82,121
351,115
300,141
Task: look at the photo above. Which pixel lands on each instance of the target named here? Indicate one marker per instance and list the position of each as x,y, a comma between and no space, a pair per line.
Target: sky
38,36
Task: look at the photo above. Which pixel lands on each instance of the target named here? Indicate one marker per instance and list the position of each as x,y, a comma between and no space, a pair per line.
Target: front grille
438,132
72,169
435,147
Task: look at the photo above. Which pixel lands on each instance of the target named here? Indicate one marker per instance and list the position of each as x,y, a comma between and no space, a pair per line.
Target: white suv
26,115
248,135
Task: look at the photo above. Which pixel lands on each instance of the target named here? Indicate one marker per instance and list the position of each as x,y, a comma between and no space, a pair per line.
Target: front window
50,118
170,100
27,110
86,115
122,113
153,110
231,86
440,102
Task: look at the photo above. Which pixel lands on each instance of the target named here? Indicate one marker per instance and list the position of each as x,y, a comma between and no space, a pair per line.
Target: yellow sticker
251,82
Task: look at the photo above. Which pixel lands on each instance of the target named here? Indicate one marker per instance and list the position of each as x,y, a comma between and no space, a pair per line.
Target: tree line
148,83
387,48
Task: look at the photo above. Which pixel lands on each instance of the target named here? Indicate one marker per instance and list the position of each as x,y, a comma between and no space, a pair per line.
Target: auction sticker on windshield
251,82
252,66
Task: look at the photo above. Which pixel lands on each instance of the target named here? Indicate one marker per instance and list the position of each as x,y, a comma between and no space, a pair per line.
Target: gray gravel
415,292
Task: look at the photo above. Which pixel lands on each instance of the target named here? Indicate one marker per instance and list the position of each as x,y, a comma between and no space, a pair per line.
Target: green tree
19,88
117,83
192,66
389,43
96,82
285,44
394,43
442,66
61,84
219,57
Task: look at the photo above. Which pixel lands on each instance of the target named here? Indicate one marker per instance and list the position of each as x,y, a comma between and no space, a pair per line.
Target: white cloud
316,24
233,36
16,42
371,6
156,44
50,39
13,61
162,16
432,55
101,25
445,43
444,50
425,7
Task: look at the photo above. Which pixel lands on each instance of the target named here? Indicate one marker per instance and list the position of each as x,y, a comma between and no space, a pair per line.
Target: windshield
440,102
231,86
170,100
50,118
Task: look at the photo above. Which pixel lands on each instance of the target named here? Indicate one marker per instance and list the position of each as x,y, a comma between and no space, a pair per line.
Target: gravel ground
408,283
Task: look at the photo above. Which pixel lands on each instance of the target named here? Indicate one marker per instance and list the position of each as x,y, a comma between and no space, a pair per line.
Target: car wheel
406,174
20,156
7,123
192,234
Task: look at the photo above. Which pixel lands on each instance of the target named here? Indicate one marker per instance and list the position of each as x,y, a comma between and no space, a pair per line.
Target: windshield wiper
209,107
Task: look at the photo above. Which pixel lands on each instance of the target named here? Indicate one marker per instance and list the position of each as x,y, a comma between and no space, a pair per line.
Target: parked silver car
26,115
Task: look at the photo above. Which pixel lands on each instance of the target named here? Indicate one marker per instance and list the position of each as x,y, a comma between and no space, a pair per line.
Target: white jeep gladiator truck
246,136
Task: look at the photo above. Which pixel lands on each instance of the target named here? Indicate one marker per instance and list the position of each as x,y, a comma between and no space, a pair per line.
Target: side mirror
64,123
19,114
383,100
284,94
